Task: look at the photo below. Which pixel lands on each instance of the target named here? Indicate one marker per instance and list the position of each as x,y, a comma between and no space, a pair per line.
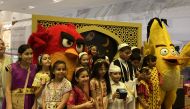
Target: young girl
84,61
57,91
100,84
43,76
80,97
144,88
93,51
154,97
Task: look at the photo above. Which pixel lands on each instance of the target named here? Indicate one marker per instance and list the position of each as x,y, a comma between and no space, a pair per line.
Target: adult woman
19,81
4,61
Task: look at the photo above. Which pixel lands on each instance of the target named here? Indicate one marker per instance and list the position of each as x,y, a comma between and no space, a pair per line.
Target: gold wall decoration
120,31
107,34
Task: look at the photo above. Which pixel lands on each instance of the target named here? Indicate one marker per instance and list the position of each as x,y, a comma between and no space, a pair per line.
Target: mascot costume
185,52
62,42
168,60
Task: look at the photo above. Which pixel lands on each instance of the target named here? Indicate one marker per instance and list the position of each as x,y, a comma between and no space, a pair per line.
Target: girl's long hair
95,72
76,74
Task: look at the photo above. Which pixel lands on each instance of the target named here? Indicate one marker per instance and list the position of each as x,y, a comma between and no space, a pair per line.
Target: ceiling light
31,7
1,2
56,1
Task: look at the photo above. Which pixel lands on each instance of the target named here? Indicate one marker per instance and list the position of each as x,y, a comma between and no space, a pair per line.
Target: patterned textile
143,92
54,95
99,89
39,77
127,70
37,83
154,96
77,96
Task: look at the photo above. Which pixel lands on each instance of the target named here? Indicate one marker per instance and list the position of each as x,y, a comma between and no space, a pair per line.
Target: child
136,61
92,52
154,97
80,97
57,91
100,83
84,60
143,89
42,76
114,98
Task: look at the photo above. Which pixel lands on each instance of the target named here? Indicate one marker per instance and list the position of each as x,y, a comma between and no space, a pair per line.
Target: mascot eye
79,48
67,42
173,52
164,52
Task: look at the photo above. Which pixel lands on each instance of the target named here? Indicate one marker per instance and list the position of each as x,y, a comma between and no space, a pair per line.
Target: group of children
96,84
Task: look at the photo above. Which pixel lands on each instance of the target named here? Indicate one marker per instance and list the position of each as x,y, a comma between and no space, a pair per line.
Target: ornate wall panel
116,32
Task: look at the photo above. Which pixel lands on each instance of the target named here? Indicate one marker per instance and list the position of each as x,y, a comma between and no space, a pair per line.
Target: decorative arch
120,32
102,30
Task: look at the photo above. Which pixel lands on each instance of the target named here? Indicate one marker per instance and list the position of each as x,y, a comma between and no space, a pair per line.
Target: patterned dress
39,77
99,91
143,90
154,97
37,83
54,95
18,80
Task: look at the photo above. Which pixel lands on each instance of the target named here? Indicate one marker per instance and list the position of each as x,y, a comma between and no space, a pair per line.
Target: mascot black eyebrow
62,42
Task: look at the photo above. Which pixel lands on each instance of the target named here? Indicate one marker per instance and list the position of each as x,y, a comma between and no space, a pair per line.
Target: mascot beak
71,52
175,59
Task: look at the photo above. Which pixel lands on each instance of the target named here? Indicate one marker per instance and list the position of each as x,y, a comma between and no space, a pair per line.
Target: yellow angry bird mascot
159,44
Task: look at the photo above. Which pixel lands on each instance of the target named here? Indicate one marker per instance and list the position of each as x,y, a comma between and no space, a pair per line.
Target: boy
115,101
127,70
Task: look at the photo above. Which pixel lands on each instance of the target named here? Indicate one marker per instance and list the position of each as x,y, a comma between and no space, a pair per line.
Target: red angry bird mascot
62,42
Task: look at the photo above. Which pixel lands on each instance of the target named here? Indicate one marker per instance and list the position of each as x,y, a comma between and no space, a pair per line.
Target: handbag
18,95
